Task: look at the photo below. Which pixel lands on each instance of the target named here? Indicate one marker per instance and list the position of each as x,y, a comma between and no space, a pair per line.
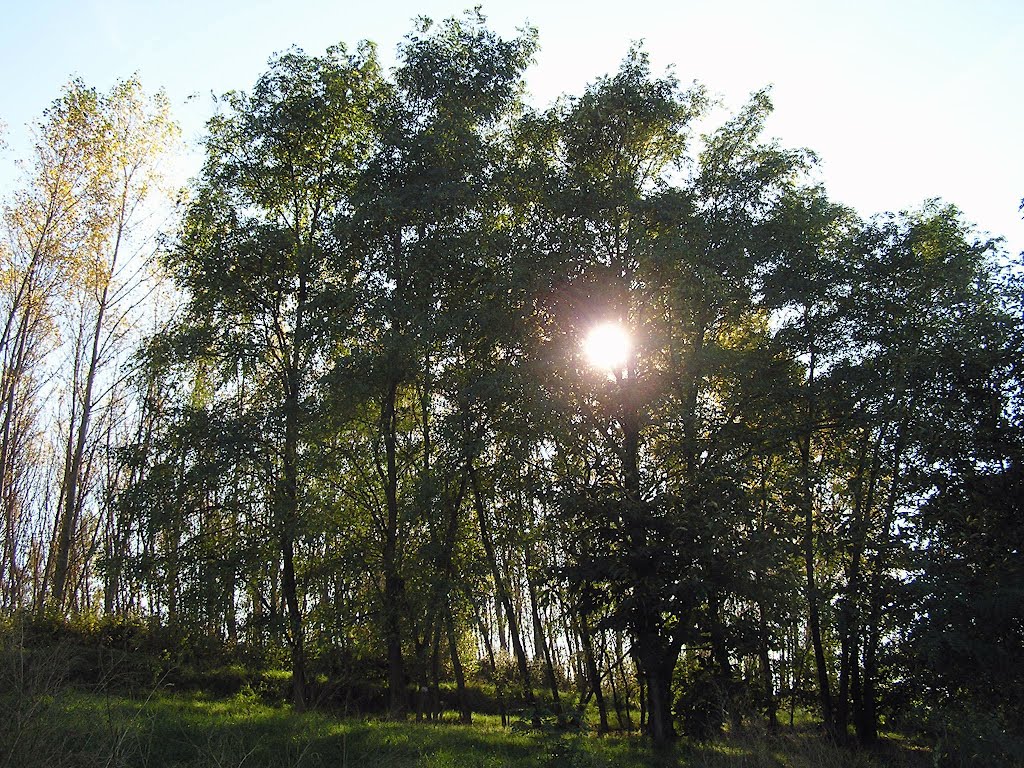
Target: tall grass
62,705
187,731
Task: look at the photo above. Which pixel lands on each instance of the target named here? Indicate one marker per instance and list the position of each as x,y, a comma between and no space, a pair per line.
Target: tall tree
932,323
77,241
425,207
129,138
811,242
46,224
678,261
263,257
616,145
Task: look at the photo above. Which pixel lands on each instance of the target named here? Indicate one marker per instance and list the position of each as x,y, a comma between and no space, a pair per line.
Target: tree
46,224
270,278
76,241
811,242
970,591
936,336
676,261
614,145
425,207
127,142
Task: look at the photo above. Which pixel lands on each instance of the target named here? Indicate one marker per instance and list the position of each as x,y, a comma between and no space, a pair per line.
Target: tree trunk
499,686
289,587
394,586
465,713
866,714
807,513
849,608
72,501
654,652
289,512
504,596
770,703
10,377
590,661
824,689
720,652
657,672
542,646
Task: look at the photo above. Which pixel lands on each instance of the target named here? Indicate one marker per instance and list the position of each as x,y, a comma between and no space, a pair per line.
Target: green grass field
74,728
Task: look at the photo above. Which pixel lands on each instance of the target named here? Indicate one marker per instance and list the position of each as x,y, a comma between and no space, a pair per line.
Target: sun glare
607,346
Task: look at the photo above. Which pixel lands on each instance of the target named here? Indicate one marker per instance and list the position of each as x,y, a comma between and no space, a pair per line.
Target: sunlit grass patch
189,730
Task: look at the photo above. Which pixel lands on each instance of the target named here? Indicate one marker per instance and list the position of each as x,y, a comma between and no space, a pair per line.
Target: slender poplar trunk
503,595
72,500
590,662
9,503
807,513
288,524
465,713
540,641
771,704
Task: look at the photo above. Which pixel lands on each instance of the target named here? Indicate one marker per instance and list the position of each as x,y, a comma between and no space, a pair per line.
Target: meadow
185,730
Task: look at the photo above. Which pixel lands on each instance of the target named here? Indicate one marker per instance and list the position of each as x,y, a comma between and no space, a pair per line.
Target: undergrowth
166,730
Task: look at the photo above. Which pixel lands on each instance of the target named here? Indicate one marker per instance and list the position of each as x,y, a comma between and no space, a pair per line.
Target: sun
607,346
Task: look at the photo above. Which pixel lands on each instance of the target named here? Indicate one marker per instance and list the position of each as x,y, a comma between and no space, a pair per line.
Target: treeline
358,426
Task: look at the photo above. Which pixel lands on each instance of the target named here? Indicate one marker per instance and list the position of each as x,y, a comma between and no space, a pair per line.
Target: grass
51,716
168,730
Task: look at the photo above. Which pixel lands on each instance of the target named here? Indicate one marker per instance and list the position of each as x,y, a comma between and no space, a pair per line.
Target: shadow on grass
168,731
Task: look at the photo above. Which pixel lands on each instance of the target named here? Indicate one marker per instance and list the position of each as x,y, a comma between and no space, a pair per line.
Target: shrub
700,705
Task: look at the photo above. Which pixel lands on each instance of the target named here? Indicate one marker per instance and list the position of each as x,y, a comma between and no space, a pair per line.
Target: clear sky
902,99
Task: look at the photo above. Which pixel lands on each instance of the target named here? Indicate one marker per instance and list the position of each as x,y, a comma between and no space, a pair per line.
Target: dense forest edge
317,446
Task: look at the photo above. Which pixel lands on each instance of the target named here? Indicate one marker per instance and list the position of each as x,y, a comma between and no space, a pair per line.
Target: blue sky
902,100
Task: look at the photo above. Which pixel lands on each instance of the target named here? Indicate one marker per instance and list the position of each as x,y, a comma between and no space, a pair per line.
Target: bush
700,705
964,736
